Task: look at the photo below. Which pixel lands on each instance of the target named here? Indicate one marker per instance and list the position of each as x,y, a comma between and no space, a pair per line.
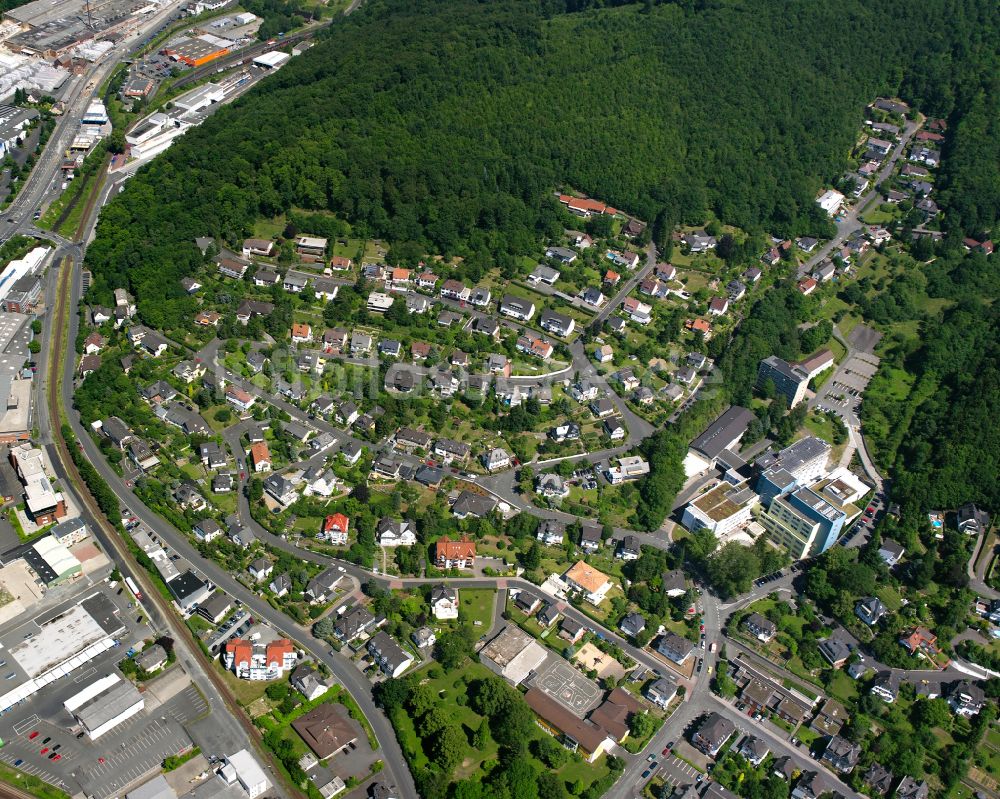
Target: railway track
59,350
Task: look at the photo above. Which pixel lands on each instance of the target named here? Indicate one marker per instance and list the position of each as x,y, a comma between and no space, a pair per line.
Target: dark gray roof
723,431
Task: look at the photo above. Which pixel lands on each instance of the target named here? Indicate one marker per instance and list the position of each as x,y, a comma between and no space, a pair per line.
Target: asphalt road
852,219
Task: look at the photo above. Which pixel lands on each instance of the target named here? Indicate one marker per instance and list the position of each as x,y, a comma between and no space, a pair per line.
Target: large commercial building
790,381
723,434
15,380
799,464
44,504
513,654
63,643
196,52
103,705
806,521
52,561
721,510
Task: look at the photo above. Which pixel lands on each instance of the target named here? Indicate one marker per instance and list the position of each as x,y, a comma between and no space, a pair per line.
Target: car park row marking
85,675
21,726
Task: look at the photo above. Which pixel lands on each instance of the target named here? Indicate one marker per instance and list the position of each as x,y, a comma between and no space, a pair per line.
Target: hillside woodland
449,123
446,125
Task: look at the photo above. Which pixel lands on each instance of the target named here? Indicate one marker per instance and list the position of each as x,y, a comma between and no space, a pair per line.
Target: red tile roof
336,521
446,549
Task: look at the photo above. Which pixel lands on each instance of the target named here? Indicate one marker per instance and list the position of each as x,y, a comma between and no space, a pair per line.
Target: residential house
321,587
551,532
870,609
280,489
460,554
910,788
260,457
841,754
392,659
966,698
301,333
354,623
699,242
878,779
280,585
593,296
335,529
444,602
527,601
571,630
717,306
556,323
396,533
675,648
762,628
551,486
971,520
591,538
516,308
920,640
544,274
495,459
632,624
661,692
475,505
629,548
835,651
260,569
712,734
754,750
886,686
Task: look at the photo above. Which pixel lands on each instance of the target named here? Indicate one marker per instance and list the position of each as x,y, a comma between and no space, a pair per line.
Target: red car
666,751
100,760
57,757
46,749
33,735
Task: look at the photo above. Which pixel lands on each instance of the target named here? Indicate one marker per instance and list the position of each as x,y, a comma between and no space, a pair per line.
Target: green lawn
876,216
890,597
843,687
806,735
199,625
246,691
476,605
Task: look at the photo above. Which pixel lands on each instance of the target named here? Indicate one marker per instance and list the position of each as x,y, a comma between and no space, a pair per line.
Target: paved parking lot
34,763
864,339
129,751
676,773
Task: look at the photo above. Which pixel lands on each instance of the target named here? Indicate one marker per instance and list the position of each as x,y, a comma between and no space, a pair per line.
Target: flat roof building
156,788
790,381
805,522
243,769
513,654
721,510
103,705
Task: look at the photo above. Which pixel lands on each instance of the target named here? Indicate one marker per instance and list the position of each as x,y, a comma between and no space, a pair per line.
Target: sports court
567,686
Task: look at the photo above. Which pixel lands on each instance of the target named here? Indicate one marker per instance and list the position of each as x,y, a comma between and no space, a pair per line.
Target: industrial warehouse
105,704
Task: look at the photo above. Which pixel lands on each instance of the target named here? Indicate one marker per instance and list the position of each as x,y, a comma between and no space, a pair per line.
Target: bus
133,588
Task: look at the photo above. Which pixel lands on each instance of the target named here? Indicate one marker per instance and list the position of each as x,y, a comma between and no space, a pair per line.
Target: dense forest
931,412
448,124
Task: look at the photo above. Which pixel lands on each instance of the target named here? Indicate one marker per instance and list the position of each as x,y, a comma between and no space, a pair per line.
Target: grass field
246,691
843,687
476,605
